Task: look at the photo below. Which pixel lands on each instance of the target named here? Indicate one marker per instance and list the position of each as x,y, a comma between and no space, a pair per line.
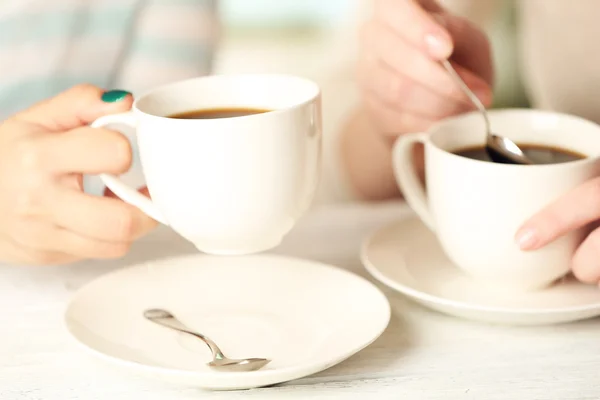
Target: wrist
367,159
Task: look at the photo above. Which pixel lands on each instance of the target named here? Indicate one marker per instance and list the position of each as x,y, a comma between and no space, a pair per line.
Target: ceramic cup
476,207
231,185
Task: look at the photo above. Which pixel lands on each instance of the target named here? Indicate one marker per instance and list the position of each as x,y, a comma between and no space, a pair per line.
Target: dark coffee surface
214,113
536,153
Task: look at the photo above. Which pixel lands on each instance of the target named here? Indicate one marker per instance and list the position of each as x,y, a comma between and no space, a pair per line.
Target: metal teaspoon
219,361
500,149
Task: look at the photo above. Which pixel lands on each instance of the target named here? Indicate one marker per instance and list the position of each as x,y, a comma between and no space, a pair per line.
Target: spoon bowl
505,151
219,362
234,365
499,148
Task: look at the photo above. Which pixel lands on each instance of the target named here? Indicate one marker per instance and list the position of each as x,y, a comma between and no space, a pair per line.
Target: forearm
367,159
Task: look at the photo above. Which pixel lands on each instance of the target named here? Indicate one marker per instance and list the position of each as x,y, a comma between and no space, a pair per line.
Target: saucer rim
423,296
270,375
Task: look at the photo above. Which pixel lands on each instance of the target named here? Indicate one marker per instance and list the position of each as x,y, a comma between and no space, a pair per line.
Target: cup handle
123,191
407,176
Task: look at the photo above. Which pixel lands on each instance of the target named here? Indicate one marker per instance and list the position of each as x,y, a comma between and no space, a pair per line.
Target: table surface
422,354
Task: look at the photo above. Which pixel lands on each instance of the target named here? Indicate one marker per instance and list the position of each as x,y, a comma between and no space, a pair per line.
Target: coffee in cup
538,154
215,113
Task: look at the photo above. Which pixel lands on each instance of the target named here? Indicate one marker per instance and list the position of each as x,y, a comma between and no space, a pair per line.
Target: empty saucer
304,316
407,257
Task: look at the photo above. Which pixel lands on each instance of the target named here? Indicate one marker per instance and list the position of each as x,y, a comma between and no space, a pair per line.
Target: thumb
471,46
76,107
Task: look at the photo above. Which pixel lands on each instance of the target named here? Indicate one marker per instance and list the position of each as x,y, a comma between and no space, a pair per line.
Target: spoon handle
173,323
474,99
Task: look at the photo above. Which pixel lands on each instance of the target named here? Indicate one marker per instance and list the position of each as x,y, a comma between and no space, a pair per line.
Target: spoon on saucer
500,149
219,361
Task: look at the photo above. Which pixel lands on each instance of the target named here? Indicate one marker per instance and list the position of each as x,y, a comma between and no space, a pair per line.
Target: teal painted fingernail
112,96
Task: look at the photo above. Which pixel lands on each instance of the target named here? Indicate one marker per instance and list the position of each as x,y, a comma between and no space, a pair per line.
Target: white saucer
303,315
407,257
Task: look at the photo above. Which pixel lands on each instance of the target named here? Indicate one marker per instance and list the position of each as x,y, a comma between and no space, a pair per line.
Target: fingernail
113,96
526,239
436,46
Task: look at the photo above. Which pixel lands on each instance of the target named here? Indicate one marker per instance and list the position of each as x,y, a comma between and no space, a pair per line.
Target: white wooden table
422,355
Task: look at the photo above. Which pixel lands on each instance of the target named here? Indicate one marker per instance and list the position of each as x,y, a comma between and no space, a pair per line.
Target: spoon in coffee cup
219,361
500,149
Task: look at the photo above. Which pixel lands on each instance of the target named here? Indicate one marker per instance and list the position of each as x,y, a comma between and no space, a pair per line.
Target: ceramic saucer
303,315
407,257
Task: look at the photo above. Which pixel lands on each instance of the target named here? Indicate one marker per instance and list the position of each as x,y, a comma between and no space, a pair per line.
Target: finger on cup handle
84,150
571,211
78,106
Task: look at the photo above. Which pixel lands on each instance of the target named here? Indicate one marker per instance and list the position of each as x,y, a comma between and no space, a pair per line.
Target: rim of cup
313,92
437,129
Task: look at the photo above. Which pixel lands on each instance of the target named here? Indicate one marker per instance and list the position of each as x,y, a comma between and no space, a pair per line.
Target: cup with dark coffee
231,161
475,206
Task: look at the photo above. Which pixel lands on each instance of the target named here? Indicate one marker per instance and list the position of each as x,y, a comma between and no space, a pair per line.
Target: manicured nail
113,96
526,239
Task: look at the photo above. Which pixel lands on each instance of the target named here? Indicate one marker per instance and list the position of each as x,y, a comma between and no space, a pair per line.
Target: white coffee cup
476,207
230,186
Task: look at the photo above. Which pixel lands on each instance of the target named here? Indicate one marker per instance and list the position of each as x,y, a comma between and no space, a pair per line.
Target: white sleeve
559,54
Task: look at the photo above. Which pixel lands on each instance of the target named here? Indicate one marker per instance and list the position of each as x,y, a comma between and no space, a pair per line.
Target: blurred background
284,35
318,39
315,38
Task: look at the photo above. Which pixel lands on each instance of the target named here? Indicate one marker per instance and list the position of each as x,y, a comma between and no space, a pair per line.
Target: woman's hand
572,211
404,87
45,217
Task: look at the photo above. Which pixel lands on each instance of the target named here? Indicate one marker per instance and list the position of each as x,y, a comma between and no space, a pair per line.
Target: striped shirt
47,46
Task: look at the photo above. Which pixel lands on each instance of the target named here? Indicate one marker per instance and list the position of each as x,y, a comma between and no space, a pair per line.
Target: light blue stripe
62,23
111,20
